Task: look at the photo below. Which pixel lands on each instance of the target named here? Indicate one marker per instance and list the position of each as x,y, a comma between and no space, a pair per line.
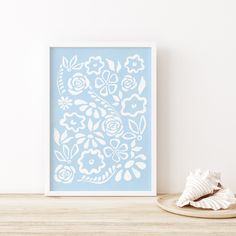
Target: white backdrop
196,43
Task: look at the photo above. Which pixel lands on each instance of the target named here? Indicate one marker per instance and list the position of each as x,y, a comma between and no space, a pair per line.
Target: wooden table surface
39,215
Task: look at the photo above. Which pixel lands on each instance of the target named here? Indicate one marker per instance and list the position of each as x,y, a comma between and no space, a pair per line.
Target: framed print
102,120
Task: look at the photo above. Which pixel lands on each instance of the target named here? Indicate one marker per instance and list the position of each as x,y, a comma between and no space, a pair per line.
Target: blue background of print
116,54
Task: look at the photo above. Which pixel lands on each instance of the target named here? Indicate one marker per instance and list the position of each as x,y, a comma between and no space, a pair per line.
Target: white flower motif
106,83
128,83
112,126
91,109
133,105
73,121
64,103
77,84
64,174
91,162
134,64
116,151
94,137
131,169
94,65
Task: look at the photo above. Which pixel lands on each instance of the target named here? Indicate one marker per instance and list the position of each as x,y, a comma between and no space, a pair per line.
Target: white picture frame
47,120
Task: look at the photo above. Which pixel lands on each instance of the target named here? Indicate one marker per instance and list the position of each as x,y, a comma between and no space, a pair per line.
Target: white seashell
222,199
199,184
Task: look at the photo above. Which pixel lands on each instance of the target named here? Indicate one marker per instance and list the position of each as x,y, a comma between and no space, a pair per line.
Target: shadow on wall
163,121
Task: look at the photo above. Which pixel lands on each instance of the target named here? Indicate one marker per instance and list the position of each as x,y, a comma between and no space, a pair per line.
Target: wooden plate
167,203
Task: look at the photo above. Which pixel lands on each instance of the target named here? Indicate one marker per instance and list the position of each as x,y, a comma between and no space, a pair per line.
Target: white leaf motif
77,66
142,124
59,156
142,85
90,125
66,151
56,136
101,141
133,127
141,165
118,176
128,136
133,143
64,135
141,156
127,176
65,62
74,151
137,173
86,144
137,149
118,67
67,140
96,126
111,64
73,61
80,102
116,98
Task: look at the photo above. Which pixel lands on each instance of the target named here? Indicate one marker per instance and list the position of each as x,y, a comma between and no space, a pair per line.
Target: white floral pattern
93,138
91,162
132,169
94,65
73,121
100,135
64,103
133,105
77,84
91,109
128,83
112,126
107,83
116,150
64,174
134,64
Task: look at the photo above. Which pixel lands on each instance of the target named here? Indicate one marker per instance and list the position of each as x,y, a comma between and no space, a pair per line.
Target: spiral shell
199,184
222,199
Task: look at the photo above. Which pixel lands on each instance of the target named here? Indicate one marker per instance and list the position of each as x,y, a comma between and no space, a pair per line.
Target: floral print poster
101,119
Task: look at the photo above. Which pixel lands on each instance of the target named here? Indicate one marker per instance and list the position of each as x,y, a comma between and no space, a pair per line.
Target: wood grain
116,216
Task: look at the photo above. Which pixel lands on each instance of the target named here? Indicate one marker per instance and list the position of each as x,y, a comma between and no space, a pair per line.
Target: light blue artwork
101,119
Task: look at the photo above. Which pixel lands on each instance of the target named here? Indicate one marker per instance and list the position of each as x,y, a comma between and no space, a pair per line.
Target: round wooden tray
168,203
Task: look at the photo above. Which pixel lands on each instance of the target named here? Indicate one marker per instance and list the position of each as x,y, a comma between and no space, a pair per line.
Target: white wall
196,42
